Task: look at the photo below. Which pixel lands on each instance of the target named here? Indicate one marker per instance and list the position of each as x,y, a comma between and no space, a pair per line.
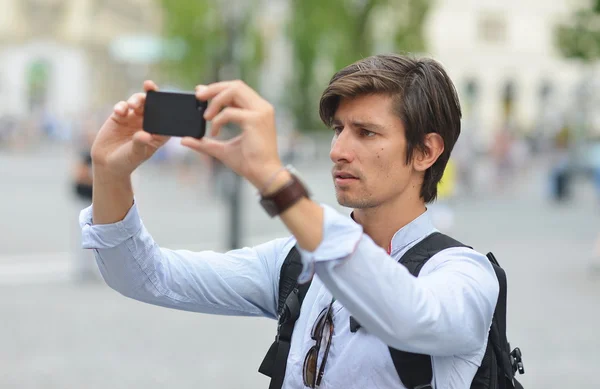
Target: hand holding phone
174,114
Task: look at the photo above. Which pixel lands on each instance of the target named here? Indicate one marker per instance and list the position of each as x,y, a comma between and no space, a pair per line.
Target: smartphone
174,114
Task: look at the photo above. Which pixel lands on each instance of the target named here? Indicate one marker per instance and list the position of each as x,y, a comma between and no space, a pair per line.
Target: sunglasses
323,326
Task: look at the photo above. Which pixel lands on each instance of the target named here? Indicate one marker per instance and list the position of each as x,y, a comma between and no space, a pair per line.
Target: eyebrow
356,123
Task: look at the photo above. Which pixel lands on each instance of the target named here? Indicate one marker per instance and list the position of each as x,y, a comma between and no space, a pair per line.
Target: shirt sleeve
240,282
446,311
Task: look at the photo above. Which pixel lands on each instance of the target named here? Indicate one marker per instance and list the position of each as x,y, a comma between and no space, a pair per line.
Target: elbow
434,330
426,336
142,293
120,283
412,335
125,276
119,286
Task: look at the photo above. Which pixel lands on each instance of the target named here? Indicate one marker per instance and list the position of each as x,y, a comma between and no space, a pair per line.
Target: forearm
112,196
239,282
305,221
202,282
444,313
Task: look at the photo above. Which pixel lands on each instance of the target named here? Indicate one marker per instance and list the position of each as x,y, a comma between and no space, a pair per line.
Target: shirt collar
411,232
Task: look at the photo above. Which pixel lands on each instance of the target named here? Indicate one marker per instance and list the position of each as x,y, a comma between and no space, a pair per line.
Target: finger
237,92
160,139
228,115
150,85
143,139
207,92
226,98
207,146
121,109
133,119
136,103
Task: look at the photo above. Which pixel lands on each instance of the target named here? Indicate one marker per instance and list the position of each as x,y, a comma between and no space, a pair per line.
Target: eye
337,130
367,133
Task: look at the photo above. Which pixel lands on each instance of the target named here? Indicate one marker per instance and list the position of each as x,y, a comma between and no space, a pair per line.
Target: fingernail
201,88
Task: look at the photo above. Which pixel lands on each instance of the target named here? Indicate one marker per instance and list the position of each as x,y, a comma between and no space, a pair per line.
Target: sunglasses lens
317,331
310,367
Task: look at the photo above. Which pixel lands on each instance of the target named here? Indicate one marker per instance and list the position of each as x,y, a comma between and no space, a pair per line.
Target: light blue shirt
446,312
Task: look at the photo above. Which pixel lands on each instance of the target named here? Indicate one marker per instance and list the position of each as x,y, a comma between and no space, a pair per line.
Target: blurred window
492,28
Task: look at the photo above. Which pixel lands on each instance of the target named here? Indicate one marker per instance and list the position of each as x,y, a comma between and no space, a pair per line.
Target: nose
341,148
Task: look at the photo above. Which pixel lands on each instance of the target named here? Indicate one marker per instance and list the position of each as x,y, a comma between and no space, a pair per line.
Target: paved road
57,334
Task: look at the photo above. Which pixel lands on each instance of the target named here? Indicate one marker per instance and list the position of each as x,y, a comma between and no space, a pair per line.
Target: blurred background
524,180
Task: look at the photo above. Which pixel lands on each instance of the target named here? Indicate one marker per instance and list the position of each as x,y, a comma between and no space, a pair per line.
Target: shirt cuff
341,236
103,236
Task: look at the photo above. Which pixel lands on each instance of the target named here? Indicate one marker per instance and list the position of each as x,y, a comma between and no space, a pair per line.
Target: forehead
372,108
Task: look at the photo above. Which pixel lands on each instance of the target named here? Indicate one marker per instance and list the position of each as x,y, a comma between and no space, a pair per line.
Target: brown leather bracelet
284,197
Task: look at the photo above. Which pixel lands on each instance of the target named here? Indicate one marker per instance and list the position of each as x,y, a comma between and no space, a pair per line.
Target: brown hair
424,98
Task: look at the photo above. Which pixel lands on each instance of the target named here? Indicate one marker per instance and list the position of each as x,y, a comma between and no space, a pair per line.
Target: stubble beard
355,202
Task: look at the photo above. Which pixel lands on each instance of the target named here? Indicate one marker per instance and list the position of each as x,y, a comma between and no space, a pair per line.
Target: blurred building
66,56
500,54
503,59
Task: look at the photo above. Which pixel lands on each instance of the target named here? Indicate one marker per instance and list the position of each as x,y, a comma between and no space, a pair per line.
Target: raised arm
240,282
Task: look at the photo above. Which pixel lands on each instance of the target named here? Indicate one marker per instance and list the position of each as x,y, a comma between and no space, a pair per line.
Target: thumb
212,147
143,146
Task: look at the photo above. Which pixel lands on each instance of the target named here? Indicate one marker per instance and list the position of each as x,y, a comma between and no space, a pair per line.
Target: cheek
383,164
389,167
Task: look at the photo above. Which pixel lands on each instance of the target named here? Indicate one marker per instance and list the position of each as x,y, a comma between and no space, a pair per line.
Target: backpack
498,366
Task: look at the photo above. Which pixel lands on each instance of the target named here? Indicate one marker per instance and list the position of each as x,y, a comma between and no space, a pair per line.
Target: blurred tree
217,35
328,35
221,41
580,37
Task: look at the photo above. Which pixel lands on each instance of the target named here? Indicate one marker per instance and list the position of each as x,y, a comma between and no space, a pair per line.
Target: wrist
269,177
285,191
103,173
280,179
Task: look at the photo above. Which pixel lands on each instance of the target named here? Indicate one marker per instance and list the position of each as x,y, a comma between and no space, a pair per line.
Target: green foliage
580,38
209,40
329,35
325,36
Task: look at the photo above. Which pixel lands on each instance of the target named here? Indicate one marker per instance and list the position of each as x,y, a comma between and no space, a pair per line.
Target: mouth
343,177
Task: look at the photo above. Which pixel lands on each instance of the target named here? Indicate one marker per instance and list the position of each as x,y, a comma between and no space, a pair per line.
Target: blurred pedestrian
85,268
442,212
560,173
502,154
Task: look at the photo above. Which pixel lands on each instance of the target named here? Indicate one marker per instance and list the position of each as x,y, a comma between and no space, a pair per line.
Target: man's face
369,152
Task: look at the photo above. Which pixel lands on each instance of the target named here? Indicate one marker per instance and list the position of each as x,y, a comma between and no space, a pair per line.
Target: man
395,120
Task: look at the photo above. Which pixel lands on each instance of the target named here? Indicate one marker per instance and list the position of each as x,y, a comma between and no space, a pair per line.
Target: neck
383,221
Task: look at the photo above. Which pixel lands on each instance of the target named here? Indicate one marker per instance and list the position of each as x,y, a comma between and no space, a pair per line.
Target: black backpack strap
499,321
509,362
415,370
290,300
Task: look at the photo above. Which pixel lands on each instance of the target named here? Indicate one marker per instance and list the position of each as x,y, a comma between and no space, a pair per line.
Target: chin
354,203
342,199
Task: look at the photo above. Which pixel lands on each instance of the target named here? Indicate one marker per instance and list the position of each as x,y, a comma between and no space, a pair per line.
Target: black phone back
174,114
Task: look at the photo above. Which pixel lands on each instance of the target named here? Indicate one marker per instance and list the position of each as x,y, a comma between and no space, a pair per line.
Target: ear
433,147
